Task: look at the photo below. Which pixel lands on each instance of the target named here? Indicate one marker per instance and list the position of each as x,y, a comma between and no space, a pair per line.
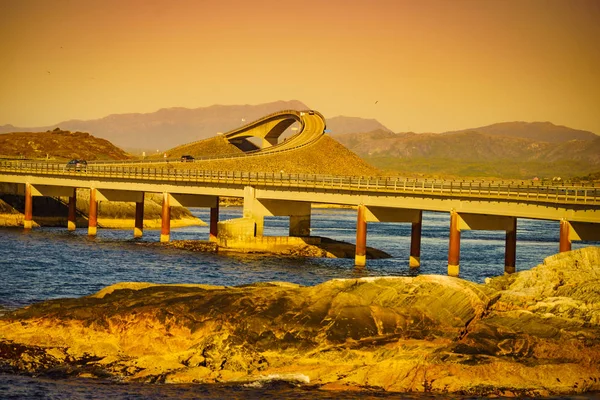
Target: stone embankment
536,332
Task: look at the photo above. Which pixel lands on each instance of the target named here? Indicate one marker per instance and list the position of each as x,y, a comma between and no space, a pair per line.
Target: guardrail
526,191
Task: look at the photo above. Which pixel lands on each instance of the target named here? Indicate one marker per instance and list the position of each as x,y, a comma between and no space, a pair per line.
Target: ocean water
48,263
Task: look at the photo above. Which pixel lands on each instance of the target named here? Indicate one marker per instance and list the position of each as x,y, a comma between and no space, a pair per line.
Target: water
48,263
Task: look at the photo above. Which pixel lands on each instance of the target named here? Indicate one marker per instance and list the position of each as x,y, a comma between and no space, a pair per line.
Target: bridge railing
527,191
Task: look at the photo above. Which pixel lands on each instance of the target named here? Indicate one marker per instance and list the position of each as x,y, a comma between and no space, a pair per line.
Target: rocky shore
533,333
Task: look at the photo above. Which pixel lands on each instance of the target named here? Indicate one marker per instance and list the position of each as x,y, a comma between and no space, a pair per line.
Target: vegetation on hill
58,144
474,154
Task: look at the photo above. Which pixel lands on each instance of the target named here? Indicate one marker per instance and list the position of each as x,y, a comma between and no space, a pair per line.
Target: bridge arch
271,127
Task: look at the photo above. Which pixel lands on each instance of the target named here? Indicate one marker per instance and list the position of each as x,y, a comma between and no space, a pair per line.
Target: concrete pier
510,250
72,216
360,259
565,239
138,230
214,223
415,243
28,214
165,231
454,245
93,214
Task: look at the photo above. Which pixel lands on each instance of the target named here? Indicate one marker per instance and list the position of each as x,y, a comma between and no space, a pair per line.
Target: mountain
58,144
342,124
168,127
473,153
538,131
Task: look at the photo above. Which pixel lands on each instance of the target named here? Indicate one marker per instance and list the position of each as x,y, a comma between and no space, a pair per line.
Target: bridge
471,205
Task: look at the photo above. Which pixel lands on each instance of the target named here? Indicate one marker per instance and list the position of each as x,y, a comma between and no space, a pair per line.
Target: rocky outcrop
536,332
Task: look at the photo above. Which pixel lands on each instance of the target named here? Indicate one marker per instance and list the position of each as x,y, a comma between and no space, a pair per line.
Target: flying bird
377,101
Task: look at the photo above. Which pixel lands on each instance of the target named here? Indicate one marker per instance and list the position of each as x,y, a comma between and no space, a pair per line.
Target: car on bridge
76,165
187,158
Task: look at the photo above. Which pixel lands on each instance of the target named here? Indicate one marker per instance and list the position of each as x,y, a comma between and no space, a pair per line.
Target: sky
423,66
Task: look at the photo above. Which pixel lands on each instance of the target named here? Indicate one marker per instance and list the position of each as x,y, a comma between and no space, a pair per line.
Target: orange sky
430,65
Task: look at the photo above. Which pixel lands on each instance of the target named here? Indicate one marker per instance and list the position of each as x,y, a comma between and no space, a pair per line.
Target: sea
49,263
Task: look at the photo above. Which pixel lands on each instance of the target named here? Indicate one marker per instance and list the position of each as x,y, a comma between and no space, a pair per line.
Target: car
187,158
311,112
76,165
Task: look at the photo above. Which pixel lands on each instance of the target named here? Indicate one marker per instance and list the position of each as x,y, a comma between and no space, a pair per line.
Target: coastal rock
536,332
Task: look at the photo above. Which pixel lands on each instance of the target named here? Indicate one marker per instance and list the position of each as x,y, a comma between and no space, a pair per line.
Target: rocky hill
58,144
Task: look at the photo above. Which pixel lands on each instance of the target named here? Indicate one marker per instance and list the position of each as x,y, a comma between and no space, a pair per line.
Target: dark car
187,158
76,165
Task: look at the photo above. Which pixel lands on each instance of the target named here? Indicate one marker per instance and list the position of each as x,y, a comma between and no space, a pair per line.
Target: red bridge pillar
138,229
28,214
72,218
214,222
165,232
454,245
510,250
565,241
93,217
415,243
360,259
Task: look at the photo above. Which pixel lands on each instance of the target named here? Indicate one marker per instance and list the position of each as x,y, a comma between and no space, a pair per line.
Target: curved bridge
272,126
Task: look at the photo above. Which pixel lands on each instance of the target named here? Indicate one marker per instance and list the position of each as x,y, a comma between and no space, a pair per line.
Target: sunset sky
424,66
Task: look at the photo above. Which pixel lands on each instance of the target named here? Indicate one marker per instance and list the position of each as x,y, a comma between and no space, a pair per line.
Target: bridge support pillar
300,225
165,231
510,250
360,258
214,222
72,217
93,216
415,242
565,239
28,214
454,245
138,229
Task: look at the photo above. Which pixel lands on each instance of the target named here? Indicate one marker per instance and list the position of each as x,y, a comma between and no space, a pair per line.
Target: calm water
48,263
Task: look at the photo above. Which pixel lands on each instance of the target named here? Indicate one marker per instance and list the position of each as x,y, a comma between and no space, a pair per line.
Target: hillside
325,156
58,144
474,154
537,131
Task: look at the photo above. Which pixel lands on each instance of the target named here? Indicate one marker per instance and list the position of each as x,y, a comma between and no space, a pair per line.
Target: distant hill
58,144
471,153
342,124
538,131
168,127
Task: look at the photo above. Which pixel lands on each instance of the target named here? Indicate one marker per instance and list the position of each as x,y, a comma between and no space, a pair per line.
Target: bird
376,101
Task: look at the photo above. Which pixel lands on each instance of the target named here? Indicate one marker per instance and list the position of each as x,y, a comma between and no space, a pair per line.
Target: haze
413,65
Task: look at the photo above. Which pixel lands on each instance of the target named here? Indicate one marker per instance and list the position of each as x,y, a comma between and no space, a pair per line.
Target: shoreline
533,333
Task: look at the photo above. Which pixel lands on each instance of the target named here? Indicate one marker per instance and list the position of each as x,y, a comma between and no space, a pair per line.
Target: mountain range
514,149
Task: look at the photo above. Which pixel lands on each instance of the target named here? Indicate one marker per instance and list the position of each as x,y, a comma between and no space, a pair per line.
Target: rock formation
536,332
